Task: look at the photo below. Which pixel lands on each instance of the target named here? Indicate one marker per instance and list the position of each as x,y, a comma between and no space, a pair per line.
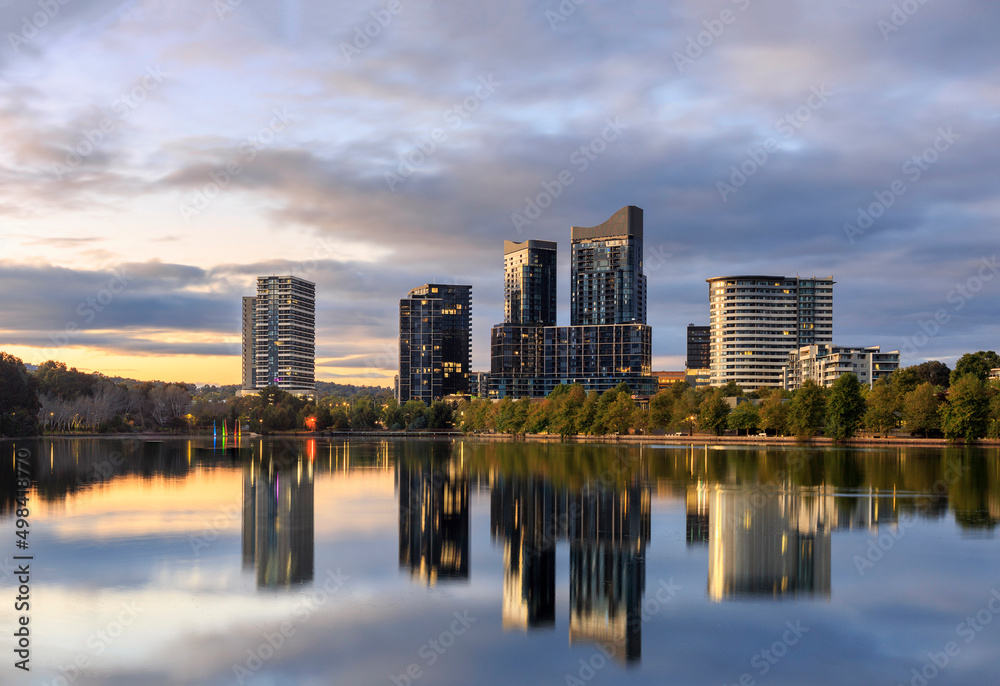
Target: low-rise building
696,378
824,363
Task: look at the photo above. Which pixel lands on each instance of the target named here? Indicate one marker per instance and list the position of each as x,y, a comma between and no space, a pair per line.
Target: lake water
463,562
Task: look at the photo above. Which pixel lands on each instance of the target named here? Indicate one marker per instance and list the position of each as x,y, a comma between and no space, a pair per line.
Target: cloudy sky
156,156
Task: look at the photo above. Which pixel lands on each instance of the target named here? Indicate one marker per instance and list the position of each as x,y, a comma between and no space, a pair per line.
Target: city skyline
139,205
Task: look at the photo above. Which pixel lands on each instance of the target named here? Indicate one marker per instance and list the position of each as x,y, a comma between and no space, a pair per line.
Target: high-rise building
607,283
435,342
279,335
698,338
529,282
249,343
825,363
757,320
608,341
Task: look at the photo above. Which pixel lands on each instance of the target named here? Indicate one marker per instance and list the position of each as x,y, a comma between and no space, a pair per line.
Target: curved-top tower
606,280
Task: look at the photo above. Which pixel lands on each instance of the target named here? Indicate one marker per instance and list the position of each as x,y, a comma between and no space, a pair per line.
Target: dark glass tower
607,342
608,286
698,338
435,342
529,282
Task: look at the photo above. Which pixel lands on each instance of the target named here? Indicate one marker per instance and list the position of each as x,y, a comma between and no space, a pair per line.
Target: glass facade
530,283
608,341
607,283
698,338
435,342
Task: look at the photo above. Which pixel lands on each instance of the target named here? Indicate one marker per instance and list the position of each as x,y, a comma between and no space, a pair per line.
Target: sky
157,156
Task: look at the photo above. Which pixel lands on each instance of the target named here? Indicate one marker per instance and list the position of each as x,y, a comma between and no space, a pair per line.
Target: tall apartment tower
607,342
529,281
249,343
283,345
608,286
757,320
435,342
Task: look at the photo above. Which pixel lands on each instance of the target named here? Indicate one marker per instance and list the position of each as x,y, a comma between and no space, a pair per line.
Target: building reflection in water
433,520
608,533
524,515
607,530
696,501
278,517
769,542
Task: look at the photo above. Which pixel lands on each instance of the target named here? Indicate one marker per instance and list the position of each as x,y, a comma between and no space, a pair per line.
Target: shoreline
671,439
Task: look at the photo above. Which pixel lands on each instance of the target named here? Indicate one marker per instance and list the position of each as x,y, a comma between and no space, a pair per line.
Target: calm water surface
458,562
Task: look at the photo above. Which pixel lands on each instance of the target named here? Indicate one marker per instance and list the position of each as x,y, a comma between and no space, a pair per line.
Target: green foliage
54,379
588,413
845,407
619,414
566,409
661,408
807,410
746,418
920,410
774,410
713,413
365,414
966,412
977,364
934,372
732,390
18,398
882,405
686,410
904,380
993,428
440,416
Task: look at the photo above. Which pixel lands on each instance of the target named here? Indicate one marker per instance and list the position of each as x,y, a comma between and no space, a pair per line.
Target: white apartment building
756,321
825,363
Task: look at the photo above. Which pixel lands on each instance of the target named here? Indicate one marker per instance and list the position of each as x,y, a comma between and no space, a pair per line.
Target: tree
994,423
18,398
411,411
807,410
746,417
881,407
68,384
640,420
661,407
966,412
588,412
439,415
686,410
564,416
393,416
934,372
714,412
845,407
619,414
977,364
904,380
365,415
920,410
732,390
774,408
